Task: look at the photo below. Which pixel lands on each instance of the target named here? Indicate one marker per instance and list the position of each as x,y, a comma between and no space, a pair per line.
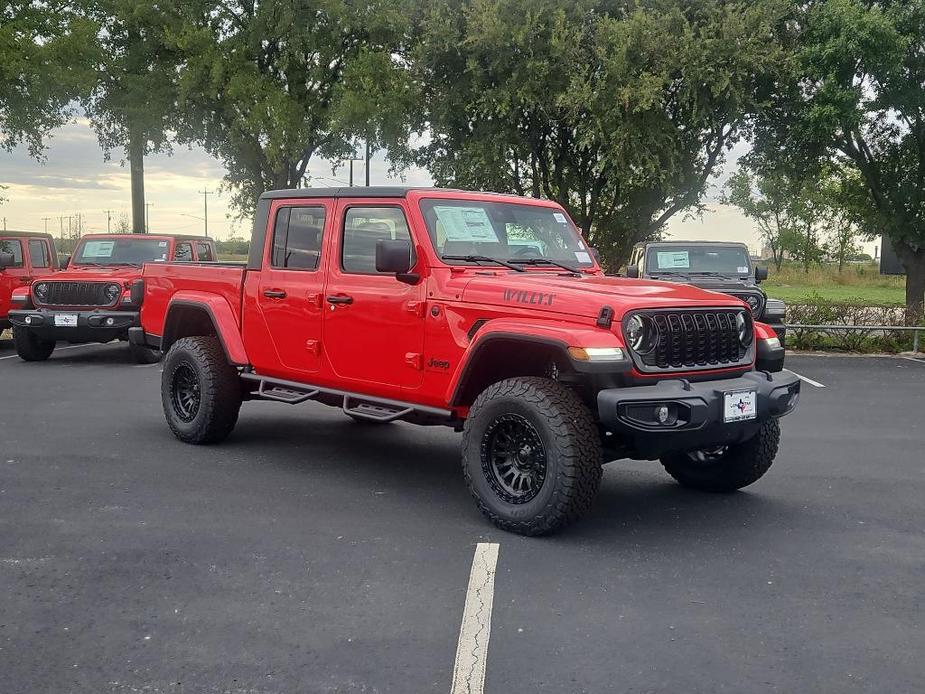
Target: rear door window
13,246
204,252
297,236
183,251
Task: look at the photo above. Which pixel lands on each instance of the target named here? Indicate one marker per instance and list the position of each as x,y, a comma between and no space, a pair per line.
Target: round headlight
640,334
112,292
754,303
41,291
744,328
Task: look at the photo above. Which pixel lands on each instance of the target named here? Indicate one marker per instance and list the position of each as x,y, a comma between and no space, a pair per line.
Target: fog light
28,320
110,321
661,413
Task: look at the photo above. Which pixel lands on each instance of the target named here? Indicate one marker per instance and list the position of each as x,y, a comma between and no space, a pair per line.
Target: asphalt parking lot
311,554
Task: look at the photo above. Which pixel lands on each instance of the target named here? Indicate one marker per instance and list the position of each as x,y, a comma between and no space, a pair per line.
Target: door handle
340,299
275,294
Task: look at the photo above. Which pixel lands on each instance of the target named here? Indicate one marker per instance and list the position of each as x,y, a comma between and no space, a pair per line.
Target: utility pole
45,219
147,218
367,163
108,221
4,223
205,209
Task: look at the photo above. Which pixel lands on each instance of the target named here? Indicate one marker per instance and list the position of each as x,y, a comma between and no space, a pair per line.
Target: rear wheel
726,468
145,355
200,391
531,455
29,347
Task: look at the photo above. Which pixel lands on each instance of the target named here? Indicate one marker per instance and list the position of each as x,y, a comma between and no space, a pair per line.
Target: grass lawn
856,284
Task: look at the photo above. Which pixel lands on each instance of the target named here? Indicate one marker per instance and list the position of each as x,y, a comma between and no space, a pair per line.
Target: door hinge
313,346
416,307
415,360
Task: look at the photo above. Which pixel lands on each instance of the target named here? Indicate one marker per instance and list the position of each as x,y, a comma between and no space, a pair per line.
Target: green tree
43,56
266,86
619,111
766,200
132,105
855,93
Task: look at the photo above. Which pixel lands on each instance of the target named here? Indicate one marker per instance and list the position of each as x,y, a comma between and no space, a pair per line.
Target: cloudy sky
76,179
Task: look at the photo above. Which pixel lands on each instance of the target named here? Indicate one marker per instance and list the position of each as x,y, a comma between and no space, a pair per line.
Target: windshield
503,231
121,251
725,260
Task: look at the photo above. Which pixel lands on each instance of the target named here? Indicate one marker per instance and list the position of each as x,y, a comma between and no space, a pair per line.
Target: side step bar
353,404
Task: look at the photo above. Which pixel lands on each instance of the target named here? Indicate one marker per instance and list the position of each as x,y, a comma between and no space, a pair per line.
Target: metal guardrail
914,329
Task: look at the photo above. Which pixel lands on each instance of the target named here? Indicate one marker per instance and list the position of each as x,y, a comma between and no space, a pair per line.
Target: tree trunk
136,159
914,263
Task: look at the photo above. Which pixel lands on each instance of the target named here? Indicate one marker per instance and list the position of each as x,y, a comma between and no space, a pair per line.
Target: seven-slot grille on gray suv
696,339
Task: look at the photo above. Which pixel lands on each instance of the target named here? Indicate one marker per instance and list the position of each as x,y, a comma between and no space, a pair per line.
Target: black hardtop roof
9,233
185,237
683,242
347,192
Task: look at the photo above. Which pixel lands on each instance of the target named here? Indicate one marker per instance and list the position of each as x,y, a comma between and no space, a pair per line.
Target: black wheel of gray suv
726,468
531,455
200,391
29,347
145,355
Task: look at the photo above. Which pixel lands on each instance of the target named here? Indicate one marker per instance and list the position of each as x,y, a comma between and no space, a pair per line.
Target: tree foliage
44,58
266,86
855,93
620,111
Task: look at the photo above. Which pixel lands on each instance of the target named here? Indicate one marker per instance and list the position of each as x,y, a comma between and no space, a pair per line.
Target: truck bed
165,282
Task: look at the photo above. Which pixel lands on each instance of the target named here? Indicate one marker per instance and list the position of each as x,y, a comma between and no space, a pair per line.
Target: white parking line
57,349
807,380
472,651
917,361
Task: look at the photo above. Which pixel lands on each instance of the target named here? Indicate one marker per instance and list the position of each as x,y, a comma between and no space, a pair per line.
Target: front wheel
531,455
726,468
29,347
200,391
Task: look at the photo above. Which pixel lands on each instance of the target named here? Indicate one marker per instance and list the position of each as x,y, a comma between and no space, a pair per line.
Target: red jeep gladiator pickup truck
24,256
92,300
484,312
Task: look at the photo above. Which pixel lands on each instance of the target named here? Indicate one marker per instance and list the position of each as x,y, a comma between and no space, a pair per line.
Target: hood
716,284
586,295
96,274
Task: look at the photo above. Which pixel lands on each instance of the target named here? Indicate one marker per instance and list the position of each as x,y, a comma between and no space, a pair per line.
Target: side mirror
64,261
761,273
632,271
7,260
394,257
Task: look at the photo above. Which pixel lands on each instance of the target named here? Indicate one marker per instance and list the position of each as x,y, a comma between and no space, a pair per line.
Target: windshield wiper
547,261
483,259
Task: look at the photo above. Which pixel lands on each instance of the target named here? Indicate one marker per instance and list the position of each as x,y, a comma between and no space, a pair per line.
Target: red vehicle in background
24,257
483,312
92,300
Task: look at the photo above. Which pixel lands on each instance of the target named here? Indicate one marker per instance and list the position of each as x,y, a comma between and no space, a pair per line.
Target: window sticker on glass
466,223
98,249
559,217
162,244
673,259
582,257
742,269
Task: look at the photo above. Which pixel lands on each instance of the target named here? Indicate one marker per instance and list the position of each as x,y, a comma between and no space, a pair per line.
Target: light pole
148,217
205,209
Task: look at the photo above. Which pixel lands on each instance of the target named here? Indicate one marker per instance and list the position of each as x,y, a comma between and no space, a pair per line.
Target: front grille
695,339
76,294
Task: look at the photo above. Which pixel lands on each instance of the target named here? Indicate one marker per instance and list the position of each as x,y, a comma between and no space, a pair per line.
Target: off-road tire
219,390
145,355
572,453
738,466
29,347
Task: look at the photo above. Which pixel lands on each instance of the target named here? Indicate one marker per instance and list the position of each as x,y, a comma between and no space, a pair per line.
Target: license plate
66,320
740,406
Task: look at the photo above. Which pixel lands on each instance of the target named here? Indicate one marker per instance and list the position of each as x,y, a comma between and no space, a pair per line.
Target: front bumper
92,326
695,412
